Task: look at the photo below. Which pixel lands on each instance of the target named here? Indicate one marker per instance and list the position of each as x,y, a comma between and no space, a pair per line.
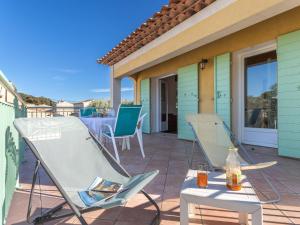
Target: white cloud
127,89
58,78
67,70
107,90
100,90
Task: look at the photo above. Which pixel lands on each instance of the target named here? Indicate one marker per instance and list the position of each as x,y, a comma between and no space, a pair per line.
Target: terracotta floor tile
171,192
104,214
155,190
170,207
93,221
294,216
172,158
127,223
18,208
174,179
277,219
140,201
169,222
216,219
136,215
289,202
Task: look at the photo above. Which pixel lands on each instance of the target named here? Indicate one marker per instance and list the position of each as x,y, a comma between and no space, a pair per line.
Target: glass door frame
253,136
163,125
157,90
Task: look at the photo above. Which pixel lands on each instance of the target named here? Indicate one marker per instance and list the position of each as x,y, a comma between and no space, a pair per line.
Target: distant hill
36,100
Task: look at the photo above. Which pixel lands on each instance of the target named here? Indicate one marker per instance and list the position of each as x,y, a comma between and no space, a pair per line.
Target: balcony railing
53,111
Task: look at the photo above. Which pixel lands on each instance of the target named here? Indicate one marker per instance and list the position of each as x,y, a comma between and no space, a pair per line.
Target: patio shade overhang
218,19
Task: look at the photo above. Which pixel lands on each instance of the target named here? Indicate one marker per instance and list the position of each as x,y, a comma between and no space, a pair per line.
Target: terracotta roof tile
168,17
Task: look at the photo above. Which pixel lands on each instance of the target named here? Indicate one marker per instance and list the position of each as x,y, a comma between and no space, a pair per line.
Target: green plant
36,100
127,102
102,105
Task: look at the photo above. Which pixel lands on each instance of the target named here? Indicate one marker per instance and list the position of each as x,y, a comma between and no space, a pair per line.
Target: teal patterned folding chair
126,126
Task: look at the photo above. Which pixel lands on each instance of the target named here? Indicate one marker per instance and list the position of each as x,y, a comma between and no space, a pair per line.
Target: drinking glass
202,177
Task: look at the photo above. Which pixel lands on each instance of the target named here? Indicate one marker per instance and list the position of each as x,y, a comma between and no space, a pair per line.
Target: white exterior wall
7,91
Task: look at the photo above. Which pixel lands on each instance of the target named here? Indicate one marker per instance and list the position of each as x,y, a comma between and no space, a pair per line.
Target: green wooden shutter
288,54
145,101
222,87
187,99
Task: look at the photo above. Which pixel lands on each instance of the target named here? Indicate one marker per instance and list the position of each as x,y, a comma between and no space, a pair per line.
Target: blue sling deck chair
72,157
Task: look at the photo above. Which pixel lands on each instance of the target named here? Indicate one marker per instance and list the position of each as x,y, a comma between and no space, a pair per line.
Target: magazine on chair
100,189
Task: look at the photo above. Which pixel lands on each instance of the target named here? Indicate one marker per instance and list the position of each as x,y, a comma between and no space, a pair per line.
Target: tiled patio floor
170,156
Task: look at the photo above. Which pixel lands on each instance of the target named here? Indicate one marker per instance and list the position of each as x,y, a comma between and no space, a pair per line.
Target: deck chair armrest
137,183
109,128
134,185
259,165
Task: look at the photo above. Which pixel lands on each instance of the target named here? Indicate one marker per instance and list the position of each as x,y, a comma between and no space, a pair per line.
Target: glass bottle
233,170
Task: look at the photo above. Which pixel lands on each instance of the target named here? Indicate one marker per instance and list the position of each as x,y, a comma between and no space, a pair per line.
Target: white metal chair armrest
140,121
140,134
110,129
112,137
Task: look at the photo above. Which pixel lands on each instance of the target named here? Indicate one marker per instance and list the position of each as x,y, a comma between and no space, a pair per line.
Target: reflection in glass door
260,119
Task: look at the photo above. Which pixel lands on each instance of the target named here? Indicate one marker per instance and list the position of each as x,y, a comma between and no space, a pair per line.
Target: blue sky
49,47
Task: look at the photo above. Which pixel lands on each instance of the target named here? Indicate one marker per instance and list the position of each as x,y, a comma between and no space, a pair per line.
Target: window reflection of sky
260,78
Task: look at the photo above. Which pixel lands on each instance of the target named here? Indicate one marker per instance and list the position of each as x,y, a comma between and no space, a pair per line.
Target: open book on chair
100,189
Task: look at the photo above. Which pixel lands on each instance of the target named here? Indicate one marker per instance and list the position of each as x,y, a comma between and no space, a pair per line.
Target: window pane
261,91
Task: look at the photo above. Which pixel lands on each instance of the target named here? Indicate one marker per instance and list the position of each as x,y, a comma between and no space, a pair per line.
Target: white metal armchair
128,123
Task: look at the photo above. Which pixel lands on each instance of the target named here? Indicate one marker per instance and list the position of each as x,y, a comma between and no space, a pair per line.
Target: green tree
36,100
102,106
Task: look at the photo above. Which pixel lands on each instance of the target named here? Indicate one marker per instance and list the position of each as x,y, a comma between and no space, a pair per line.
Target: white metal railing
53,111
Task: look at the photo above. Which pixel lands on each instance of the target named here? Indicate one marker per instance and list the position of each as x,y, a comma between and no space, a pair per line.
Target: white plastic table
217,195
95,124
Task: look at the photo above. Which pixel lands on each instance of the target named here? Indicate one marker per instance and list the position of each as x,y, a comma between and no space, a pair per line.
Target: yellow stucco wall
262,32
206,88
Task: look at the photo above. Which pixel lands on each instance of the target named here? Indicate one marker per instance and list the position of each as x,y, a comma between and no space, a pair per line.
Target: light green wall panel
11,152
288,56
145,101
187,99
222,76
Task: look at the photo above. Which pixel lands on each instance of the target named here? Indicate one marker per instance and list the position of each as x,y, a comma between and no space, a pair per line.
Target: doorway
259,97
168,104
